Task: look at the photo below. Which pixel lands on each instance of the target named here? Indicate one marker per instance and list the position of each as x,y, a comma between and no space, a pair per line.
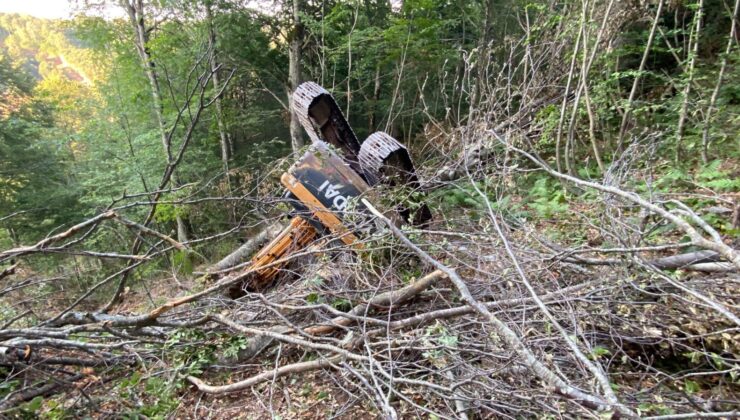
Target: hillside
40,45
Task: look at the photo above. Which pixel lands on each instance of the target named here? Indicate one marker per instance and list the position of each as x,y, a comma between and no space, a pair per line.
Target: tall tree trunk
349,61
135,10
481,70
224,138
715,93
564,104
376,98
683,114
585,67
636,81
294,73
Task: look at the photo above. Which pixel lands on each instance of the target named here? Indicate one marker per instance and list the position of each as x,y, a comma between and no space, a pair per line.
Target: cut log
683,260
250,247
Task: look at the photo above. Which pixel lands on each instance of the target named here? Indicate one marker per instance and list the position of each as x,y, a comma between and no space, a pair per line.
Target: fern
712,177
548,200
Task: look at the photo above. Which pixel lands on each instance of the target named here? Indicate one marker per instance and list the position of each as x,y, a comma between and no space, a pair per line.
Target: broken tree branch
696,238
39,246
265,376
507,334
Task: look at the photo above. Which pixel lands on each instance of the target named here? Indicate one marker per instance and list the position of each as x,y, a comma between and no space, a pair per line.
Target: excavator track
384,160
322,119
379,157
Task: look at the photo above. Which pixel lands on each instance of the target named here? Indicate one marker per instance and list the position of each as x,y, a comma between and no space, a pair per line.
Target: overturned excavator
324,185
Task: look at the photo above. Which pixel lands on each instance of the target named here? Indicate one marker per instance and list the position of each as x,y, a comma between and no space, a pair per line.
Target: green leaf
8,387
599,351
35,404
690,387
448,340
717,360
312,298
694,356
343,305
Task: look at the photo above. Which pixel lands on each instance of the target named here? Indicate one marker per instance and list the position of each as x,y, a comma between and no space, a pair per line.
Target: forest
564,241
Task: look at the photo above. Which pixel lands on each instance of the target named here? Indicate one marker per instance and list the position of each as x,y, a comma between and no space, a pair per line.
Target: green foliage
410,275
341,304
365,41
183,261
34,165
54,410
191,351
548,198
159,387
598,352
127,384
457,196
438,335
314,298
690,387
714,178
461,197
7,386
671,179
158,393
548,118
169,213
33,406
233,346
657,408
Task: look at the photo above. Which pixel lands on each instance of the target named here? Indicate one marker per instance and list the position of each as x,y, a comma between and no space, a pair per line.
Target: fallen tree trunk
685,260
711,267
250,247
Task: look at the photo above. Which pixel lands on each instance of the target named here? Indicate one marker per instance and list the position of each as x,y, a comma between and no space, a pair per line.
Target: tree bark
683,114
484,52
224,138
715,93
376,98
684,260
636,81
135,10
294,73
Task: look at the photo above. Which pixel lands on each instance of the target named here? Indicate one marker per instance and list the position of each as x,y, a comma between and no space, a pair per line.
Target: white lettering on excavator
332,192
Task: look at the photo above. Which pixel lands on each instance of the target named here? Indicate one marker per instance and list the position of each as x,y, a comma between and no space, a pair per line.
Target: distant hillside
43,47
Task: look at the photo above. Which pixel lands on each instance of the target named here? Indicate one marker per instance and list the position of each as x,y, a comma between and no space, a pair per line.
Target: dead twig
507,334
